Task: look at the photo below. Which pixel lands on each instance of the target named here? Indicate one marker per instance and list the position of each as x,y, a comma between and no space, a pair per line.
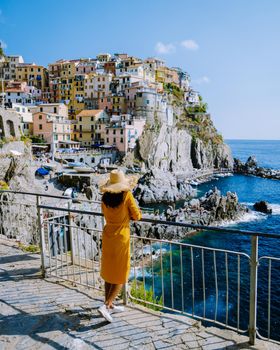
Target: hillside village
101,102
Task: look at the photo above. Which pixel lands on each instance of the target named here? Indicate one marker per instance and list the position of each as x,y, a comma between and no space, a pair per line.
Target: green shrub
138,291
4,185
31,248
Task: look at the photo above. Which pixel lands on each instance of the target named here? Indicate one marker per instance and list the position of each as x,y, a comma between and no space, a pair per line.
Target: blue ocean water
249,190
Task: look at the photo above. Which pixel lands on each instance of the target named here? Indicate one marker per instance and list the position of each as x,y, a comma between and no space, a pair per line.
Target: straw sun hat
118,182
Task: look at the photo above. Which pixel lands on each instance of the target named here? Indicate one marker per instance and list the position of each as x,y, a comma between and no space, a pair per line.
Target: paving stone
44,314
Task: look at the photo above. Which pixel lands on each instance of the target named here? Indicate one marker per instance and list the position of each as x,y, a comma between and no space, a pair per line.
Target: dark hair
112,200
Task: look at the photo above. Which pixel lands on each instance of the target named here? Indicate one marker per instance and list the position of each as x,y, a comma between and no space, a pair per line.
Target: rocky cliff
15,171
192,142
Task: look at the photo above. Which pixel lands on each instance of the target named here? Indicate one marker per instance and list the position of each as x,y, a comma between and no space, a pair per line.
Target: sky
231,49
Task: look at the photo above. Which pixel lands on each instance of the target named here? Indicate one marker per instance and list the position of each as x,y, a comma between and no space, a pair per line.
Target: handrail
152,221
173,223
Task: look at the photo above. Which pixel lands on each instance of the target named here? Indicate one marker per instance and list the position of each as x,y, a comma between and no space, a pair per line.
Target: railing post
72,244
125,293
253,290
41,235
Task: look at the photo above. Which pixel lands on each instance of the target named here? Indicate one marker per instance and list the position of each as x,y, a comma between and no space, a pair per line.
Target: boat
49,166
84,169
75,164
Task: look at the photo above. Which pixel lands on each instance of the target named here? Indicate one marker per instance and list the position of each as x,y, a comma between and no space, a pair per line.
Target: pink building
51,127
123,133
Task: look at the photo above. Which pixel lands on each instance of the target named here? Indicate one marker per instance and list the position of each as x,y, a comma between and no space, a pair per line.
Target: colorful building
123,133
52,128
89,127
33,74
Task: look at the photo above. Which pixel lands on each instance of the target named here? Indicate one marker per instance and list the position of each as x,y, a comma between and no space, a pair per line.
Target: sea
235,298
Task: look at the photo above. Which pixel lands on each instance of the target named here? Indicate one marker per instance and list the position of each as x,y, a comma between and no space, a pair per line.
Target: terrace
60,309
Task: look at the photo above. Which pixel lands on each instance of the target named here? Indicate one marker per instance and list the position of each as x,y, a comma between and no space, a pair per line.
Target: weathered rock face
211,209
174,150
167,149
15,169
18,215
210,155
161,186
251,168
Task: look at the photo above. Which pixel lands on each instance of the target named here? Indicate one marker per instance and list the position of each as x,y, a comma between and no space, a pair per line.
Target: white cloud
3,44
164,48
189,44
201,80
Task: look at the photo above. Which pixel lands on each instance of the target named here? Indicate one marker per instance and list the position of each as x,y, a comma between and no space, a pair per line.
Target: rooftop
90,112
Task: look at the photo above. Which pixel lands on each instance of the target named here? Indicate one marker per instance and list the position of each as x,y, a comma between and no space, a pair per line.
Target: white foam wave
247,217
275,209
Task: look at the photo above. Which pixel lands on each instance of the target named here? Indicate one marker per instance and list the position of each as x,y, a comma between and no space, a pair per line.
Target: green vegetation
201,108
138,291
31,248
200,126
4,185
36,139
2,53
174,90
25,139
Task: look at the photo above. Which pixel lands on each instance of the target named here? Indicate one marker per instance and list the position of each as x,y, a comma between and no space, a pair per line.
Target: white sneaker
116,309
105,313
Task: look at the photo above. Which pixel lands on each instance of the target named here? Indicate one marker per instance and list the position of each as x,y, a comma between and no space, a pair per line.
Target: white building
153,106
52,108
8,66
26,119
98,85
20,96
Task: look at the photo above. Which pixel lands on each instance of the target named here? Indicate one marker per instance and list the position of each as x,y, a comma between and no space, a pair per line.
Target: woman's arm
134,211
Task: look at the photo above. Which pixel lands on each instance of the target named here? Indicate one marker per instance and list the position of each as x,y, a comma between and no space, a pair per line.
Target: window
92,136
18,93
114,132
40,116
107,131
121,139
114,140
55,137
40,126
81,135
91,118
92,127
81,128
41,109
54,110
148,102
80,119
121,131
75,127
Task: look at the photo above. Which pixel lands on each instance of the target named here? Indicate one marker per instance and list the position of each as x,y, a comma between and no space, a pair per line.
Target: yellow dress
115,260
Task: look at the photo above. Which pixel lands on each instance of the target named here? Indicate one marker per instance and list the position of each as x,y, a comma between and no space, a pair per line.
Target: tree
2,53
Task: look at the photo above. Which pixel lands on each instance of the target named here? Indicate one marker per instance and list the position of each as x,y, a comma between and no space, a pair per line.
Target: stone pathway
45,314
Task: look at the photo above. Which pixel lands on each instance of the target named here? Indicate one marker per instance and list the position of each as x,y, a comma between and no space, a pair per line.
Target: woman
119,207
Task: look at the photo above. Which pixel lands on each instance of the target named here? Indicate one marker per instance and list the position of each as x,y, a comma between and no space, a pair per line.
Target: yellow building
119,104
33,74
89,127
167,75
68,69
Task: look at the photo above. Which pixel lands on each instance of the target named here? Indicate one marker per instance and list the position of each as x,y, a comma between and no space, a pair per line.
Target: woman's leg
107,291
113,293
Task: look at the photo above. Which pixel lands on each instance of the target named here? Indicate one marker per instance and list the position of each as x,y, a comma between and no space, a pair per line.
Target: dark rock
251,162
262,207
251,168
